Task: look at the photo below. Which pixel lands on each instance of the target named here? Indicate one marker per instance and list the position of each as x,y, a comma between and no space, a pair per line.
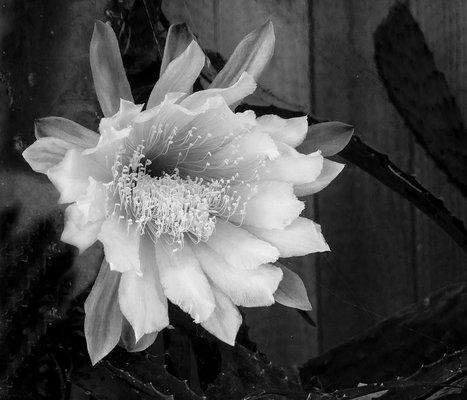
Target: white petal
179,37
121,245
77,231
180,74
240,248
273,206
103,320
141,297
232,94
290,131
71,175
301,237
108,73
64,129
330,171
128,339
92,203
291,291
297,170
248,288
251,55
225,321
45,153
183,281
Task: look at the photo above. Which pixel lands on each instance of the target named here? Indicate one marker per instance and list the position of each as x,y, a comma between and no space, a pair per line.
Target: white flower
192,202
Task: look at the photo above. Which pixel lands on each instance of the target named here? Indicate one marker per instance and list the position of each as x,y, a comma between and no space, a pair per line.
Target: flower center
169,204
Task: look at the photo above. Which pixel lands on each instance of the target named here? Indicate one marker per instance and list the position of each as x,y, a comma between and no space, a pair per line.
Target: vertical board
439,260
370,272
220,25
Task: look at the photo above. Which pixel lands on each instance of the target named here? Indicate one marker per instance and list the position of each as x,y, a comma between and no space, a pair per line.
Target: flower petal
77,231
251,55
180,74
301,237
232,94
291,291
141,297
103,320
302,168
45,153
92,203
71,175
183,281
121,245
64,129
178,39
330,171
248,288
240,248
225,321
329,137
128,339
272,206
291,131
107,68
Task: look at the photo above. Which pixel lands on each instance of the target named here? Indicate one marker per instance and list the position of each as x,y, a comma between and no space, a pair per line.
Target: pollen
169,205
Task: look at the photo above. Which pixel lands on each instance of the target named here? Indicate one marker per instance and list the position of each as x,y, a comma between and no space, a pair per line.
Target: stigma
169,205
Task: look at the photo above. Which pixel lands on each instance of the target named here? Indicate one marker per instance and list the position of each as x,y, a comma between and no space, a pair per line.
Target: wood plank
279,331
438,260
370,273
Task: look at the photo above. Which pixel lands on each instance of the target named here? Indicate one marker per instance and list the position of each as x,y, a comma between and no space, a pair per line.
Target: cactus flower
192,202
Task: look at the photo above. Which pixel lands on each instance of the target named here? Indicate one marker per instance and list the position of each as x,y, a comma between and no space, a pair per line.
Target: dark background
385,253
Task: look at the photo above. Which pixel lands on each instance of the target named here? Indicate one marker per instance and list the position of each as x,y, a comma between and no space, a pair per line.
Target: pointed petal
251,55
301,237
291,291
291,131
329,137
121,245
71,175
141,297
178,39
184,282
180,74
77,231
107,68
302,168
330,171
225,321
248,288
64,129
240,248
273,206
128,339
103,320
245,86
45,153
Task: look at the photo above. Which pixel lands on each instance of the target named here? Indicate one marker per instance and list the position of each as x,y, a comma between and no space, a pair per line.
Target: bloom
192,202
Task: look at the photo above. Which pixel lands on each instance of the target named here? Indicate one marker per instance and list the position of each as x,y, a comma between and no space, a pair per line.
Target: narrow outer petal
178,39
141,297
103,320
329,172
291,131
301,237
45,153
109,76
128,339
291,291
64,129
251,55
180,74
225,321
